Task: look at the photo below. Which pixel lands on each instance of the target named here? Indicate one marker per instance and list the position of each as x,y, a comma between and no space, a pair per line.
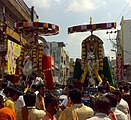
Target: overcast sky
66,13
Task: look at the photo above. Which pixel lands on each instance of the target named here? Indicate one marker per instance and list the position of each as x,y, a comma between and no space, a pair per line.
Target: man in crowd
102,109
51,105
14,94
3,85
105,84
78,111
40,104
30,112
122,105
5,112
127,96
119,115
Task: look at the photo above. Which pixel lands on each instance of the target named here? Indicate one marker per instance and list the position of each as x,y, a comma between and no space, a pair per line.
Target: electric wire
114,38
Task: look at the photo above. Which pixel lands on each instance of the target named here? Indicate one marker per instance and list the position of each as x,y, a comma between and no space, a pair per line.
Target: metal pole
32,14
122,45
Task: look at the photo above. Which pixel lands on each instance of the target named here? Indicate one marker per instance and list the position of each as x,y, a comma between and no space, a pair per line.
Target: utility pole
119,59
122,45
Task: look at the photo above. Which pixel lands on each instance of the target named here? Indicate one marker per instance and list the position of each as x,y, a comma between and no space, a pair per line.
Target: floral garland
20,63
100,54
36,55
40,55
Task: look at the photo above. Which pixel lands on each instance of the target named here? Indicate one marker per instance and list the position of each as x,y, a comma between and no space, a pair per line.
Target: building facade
61,62
11,11
124,49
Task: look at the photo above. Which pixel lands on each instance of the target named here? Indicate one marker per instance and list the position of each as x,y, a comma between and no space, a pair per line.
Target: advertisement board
119,64
13,53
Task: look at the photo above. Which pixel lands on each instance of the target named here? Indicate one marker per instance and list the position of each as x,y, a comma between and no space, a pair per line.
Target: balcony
8,22
19,8
7,19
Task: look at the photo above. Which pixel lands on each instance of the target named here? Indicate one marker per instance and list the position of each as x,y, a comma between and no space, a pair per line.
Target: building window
54,55
61,59
64,62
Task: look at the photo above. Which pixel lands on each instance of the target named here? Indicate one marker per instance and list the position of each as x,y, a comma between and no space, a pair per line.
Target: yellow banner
13,53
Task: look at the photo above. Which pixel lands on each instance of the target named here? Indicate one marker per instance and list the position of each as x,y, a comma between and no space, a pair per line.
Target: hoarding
119,63
13,53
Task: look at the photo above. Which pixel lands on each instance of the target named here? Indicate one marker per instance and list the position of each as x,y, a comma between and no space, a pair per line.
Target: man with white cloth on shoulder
102,109
122,105
78,111
119,115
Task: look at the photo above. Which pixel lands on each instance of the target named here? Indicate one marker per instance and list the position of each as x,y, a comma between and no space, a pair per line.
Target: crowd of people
37,104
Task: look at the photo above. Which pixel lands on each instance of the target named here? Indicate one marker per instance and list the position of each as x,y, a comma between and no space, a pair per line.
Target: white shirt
100,116
4,96
119,114
76,112
37,104
123,106
36,114
65,101
19,105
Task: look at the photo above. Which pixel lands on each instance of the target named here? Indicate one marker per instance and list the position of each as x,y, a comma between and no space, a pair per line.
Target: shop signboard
13,53
119,66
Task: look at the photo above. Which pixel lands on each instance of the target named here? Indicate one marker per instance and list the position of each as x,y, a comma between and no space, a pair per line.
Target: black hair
102,103
112,99
50,99
6,90
34,86
1,99
4,84
117,92
15,90
105,79
30,99
126,87
120,88
75,95
100,89
40,85
34,74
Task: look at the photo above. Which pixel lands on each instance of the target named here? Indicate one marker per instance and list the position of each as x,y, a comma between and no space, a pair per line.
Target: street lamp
113,50
111,32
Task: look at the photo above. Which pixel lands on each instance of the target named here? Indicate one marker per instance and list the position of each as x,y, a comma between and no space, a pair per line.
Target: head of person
75,96
6,91
101,74
121,88
67,89
41,74
104,80
112,99
33,76
101,89
34,87
118,95
41,88
1,102
103,105
4,84
15,92
30,99
51,104
126,88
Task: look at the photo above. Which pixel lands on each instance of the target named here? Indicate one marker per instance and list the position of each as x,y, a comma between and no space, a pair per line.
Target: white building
124,45
61,61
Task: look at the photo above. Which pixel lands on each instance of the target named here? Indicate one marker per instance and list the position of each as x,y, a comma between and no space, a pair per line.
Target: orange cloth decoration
7,114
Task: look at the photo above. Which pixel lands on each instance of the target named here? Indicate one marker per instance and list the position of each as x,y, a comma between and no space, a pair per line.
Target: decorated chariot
33,58
92,64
